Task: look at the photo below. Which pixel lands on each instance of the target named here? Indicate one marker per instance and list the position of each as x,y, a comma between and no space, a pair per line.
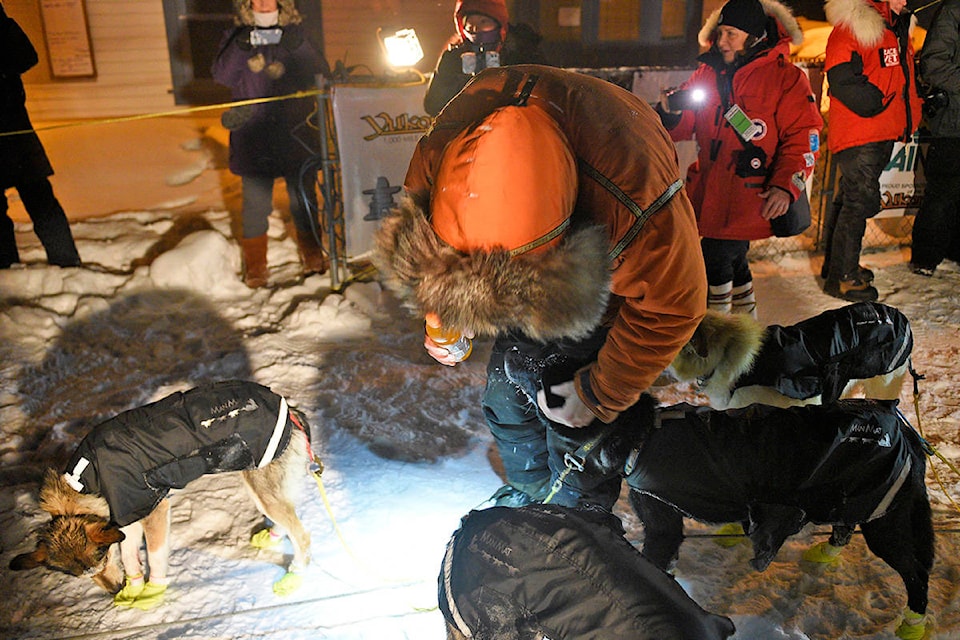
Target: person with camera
936,228
483,39
873,103
23,162
546,208
758,131
267,54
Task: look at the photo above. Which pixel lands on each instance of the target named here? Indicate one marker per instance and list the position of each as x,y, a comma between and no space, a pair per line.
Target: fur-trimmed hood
862,17
288,13
787,24
559,293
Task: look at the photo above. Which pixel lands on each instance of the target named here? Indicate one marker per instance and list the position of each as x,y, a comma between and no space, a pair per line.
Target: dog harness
136,457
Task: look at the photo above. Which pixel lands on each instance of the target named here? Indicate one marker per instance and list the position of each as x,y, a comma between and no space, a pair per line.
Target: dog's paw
822,553
150,596
914,626
289,583
131,589
265,539
730,535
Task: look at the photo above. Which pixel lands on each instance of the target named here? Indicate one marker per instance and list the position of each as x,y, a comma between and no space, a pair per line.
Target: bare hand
572,413
440,354
777,203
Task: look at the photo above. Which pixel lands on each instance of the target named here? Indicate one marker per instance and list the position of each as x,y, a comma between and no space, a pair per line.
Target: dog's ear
103,534
32,560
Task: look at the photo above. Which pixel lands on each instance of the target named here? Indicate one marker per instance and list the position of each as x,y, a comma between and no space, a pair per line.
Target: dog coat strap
278,429
892,491
448,590
73,478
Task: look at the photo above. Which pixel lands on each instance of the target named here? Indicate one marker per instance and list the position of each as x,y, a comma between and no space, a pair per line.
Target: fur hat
496,253
746,15
288,13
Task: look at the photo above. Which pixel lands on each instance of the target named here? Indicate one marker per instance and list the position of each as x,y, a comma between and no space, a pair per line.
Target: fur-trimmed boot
720,297
255,271
312,257
743,299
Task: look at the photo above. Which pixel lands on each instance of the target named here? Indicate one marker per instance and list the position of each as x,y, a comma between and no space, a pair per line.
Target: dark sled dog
115,486
737,362
545,570
854,463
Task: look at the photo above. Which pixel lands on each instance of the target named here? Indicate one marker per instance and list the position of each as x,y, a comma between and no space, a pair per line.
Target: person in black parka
23,162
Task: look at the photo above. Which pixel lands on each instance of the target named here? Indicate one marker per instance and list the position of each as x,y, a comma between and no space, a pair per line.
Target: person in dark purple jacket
265,55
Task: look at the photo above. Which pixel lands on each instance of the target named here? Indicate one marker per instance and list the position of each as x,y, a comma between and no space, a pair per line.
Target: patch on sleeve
889,57
798,181
814,136
809,159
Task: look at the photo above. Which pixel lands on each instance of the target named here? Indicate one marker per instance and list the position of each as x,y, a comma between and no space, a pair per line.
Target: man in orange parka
546,208
873,103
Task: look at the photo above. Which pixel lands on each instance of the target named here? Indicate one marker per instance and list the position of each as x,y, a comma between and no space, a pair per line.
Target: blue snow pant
936,229
857,199
531,447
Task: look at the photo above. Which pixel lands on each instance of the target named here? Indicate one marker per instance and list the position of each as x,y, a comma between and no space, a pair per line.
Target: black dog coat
145,452
776,468
567,572
821,355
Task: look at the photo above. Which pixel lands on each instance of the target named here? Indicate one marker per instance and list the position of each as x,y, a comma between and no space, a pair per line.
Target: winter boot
312,257
851,289
743,300
720,297
255,271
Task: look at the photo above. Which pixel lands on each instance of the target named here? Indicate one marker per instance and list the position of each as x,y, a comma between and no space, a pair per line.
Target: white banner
902,181
378,127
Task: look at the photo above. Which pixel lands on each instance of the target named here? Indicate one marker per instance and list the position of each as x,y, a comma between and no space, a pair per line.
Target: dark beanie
746,15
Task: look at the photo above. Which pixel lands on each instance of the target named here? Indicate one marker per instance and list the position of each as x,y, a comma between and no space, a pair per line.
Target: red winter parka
725,182
869,66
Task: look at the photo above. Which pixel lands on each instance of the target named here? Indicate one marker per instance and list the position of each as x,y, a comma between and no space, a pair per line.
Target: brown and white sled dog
113,494
738,362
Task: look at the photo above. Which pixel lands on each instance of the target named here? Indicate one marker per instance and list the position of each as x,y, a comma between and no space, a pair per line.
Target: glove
572,413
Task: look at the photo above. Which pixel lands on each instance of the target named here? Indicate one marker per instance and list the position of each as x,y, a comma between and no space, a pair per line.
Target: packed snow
158,307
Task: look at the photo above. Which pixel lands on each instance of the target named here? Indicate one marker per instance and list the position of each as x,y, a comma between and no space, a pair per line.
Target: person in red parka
758,129
873,103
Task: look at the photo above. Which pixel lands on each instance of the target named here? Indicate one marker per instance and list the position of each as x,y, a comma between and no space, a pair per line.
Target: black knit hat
746,15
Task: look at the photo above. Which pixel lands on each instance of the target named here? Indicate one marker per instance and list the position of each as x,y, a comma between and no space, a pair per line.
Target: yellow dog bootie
150,595
266,539
822,553
730,535
913,626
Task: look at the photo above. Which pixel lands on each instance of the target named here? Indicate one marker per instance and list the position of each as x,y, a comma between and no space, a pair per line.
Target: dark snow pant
726,261
936,228
258,203
531,449
49,223
857,199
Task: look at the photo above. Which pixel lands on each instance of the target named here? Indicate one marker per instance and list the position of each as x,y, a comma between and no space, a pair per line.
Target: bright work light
402,49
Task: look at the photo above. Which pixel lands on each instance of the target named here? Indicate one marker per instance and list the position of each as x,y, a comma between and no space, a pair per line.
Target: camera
685,99
934,100
261,37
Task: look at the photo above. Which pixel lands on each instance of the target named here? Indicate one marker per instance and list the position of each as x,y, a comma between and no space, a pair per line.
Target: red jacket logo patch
890,56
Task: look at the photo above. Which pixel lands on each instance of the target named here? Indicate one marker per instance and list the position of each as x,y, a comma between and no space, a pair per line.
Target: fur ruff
561,293
58,498
864,22
288,13
722,349
772,8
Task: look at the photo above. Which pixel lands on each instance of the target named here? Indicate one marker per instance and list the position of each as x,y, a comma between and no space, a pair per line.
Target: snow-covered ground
159,307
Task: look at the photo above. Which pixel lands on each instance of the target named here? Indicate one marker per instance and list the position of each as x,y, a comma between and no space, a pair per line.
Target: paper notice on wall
67,38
